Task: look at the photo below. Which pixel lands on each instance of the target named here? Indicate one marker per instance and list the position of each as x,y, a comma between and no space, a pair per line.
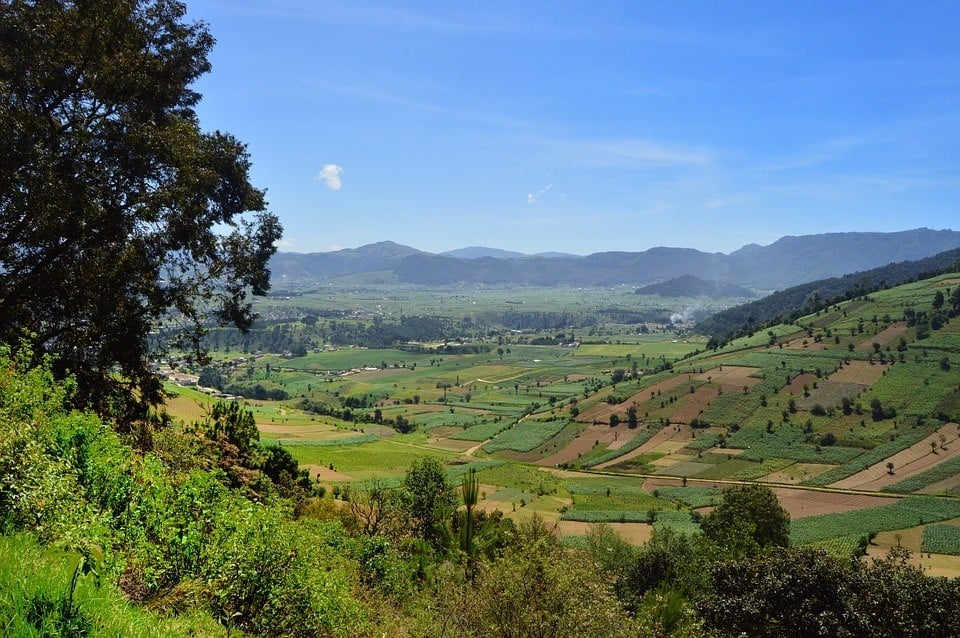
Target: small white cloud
533,197
330,175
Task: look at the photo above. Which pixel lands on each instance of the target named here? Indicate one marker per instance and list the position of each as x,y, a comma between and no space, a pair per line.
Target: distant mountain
556,255
787,262
793,260
350,261
690,286
815,295
476,252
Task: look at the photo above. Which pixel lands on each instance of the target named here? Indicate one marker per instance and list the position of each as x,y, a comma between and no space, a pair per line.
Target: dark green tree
751,510
428,499
117,212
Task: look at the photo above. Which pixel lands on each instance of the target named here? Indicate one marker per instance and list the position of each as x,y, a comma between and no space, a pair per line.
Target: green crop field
941,539
908,512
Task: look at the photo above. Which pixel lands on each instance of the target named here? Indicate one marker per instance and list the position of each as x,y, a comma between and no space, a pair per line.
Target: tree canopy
117,212
751,512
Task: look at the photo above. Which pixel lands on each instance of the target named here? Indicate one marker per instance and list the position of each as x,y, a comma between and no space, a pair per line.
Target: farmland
829,400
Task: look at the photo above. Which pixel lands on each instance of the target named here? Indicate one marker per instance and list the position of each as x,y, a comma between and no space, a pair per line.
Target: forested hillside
789,304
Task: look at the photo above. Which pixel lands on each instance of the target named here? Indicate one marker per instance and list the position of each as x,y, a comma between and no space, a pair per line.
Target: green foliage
753,509
482,432
692,496
37,585
113,199
428,498
605,516
803,592
538,589
267,581
785,442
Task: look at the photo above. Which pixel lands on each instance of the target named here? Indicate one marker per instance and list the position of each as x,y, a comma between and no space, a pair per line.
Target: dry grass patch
801,503
614,438
796,384
797,473
938,565
692,405
805,343
633,533
861,372
731,376
325,474
884,337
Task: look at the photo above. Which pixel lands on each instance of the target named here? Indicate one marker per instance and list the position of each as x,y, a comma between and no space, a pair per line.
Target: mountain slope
812,296
787,262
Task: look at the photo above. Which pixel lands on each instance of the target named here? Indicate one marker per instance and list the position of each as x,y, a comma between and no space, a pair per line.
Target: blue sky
589,126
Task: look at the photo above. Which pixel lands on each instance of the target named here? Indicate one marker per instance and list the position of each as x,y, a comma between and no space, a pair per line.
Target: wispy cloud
533,197
330,175
627,152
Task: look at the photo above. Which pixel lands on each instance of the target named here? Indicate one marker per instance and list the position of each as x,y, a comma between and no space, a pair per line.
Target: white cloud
330,175
533,197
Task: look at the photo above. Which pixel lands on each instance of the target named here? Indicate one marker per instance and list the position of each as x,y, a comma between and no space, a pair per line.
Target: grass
370,460
481,432
34,600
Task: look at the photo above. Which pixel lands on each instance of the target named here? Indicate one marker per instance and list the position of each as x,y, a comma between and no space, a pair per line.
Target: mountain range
789,261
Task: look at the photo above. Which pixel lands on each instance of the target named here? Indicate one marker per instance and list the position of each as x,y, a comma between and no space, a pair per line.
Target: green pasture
369,460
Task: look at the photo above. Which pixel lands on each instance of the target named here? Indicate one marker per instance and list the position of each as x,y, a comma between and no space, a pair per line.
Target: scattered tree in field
112,199
938,300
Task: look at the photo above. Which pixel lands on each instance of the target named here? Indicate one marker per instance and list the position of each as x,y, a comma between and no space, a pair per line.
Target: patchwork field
800,406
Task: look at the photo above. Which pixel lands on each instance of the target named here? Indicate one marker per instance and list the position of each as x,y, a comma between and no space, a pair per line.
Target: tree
536,588
753,509
938,300
117,213
428,498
